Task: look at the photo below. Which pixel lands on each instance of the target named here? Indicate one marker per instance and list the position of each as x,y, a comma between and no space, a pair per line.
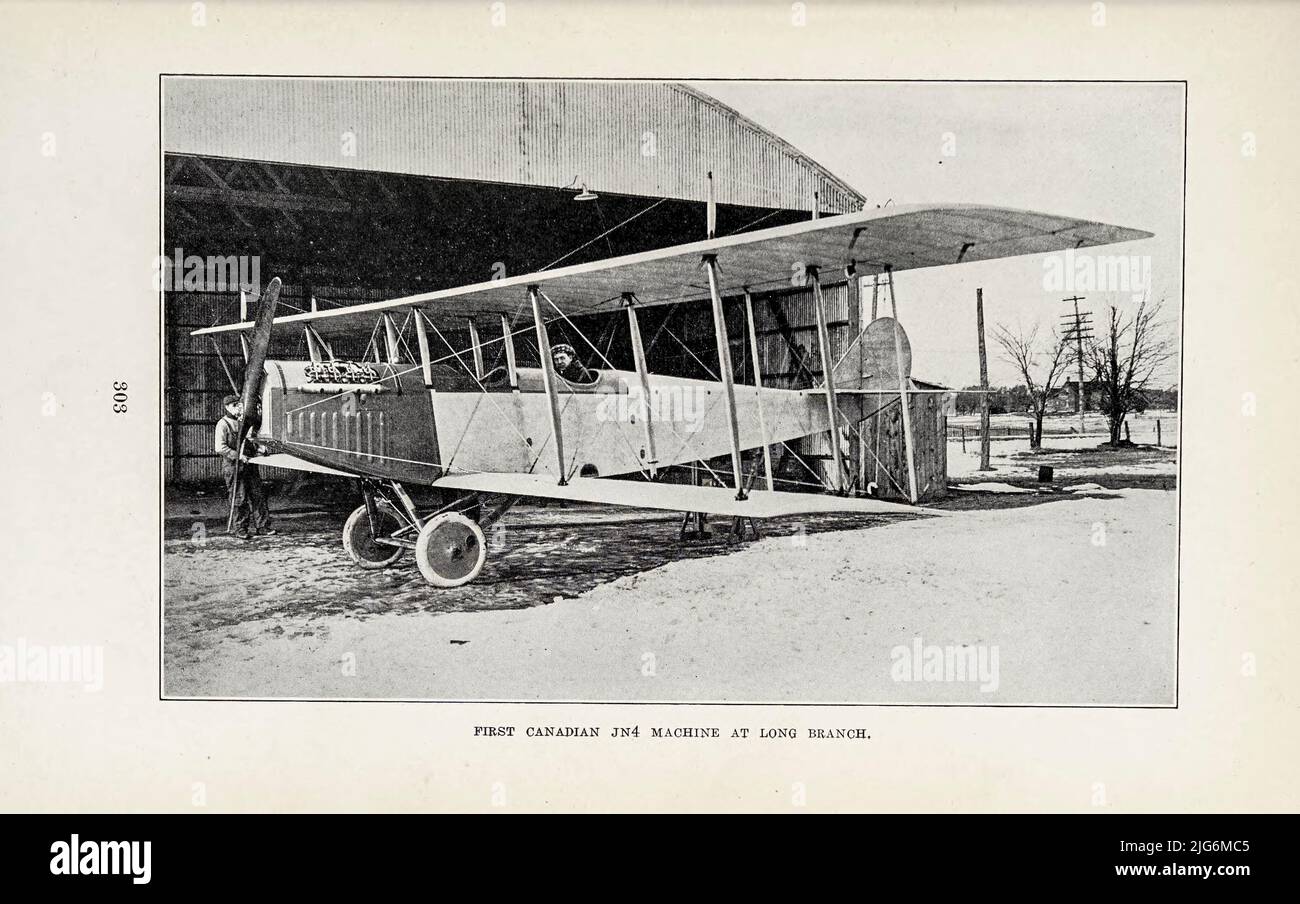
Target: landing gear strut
363,535
449,545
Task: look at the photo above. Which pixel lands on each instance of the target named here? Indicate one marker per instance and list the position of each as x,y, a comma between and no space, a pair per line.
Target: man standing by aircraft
251,513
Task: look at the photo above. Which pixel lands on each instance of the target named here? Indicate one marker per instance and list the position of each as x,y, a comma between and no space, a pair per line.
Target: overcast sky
1106,152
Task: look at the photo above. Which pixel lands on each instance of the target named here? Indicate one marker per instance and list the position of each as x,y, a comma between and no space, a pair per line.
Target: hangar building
355,190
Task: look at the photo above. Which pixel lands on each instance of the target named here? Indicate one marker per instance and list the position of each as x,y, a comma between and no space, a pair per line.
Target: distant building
1065,399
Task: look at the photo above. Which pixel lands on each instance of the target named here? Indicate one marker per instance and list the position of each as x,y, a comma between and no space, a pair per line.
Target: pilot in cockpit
569,367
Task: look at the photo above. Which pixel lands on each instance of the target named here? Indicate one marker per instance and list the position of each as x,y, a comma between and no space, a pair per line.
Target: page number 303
119,397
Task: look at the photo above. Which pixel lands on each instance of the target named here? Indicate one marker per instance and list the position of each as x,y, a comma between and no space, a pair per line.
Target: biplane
410,417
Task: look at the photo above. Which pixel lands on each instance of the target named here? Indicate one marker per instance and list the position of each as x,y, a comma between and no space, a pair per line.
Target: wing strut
548,379
758,383
643,374
317,348
724,368
510,352
902,390
390,339
478,349
828,377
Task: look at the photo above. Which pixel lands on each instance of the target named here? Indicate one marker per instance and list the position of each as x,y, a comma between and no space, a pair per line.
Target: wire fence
1151,430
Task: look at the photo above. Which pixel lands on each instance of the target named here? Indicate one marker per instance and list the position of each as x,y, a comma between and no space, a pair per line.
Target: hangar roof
651,139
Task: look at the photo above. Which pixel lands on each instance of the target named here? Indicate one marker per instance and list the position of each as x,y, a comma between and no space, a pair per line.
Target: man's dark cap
229,400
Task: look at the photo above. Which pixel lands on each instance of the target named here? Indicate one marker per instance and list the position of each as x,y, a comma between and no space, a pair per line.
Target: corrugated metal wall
656,139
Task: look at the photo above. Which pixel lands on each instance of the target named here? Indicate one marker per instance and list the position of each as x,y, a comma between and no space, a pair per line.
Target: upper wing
899,238
674,497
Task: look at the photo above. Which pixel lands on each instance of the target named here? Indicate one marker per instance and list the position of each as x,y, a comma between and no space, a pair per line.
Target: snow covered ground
1013,459
1069,601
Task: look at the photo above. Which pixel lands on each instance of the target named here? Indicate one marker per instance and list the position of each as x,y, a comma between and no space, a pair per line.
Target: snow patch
1095,489
991,488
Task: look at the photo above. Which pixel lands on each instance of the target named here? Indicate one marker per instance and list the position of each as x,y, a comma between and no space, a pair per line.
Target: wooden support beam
266,200
184,214
643,375
508,337
269,172
208,171
903,392
477,349
724,368
828,378
548,379
234,212
758,383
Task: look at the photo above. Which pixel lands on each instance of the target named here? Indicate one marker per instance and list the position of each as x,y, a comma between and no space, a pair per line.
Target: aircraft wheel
360,542
450,550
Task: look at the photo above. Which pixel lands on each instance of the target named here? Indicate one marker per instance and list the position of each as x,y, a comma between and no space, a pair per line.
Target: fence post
1158,443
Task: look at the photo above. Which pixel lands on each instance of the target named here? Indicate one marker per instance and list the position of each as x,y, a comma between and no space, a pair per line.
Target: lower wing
670,497
676,497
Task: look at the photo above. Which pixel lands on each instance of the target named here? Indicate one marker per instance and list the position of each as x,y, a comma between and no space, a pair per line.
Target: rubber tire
359,541
437,530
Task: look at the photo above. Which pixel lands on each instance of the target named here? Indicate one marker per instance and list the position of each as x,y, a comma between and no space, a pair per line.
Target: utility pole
1078,327
984,383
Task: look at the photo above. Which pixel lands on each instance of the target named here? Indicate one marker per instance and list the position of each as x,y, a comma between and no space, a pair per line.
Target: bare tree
1123,361
1042,365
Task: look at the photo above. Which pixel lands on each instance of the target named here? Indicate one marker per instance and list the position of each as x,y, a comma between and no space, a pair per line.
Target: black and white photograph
528,407
719,391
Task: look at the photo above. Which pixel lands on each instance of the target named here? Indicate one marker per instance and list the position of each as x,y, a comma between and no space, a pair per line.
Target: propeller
254,372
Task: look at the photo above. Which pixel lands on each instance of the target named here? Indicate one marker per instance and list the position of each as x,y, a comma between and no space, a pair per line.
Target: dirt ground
599,604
